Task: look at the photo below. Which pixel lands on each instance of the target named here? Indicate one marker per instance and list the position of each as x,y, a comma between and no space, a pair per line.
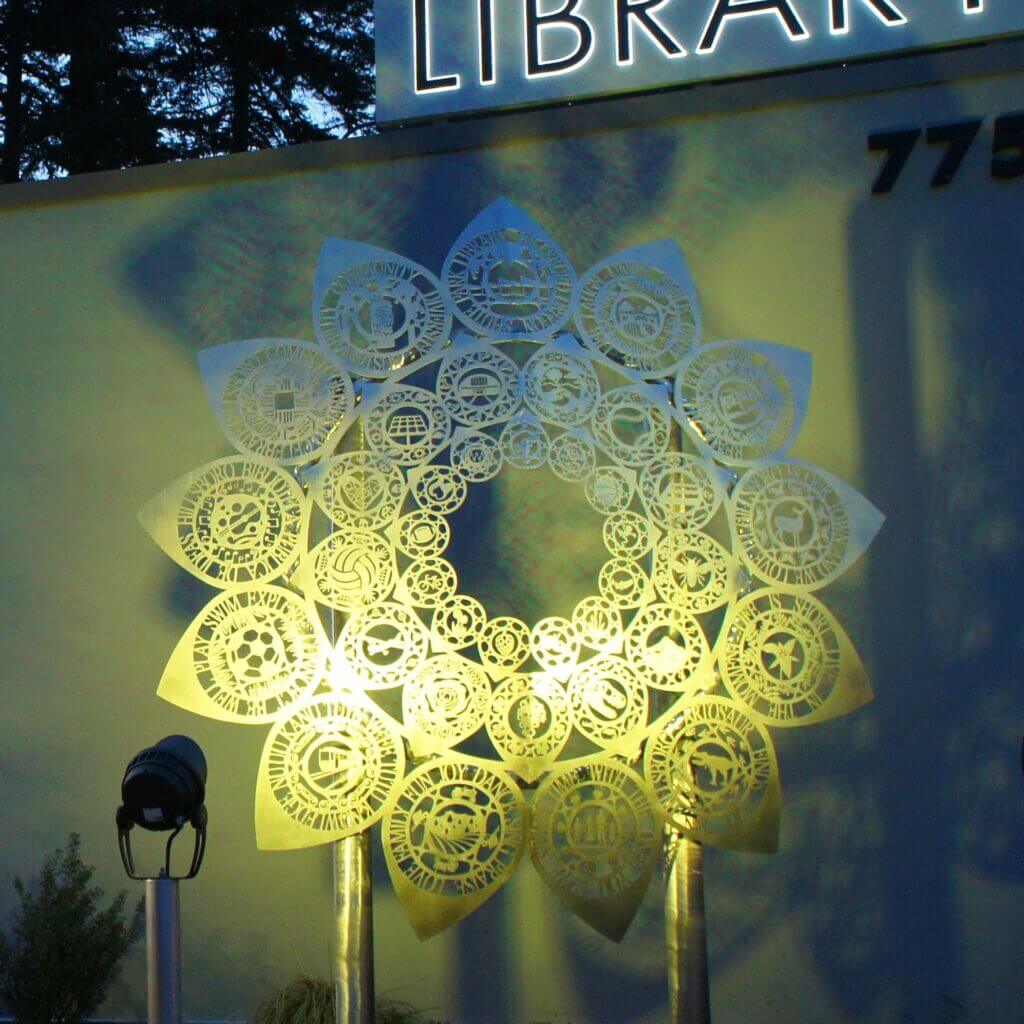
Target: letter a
725,9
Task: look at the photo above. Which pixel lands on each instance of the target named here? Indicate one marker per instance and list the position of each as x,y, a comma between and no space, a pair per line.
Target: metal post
685,934
353,931
163,951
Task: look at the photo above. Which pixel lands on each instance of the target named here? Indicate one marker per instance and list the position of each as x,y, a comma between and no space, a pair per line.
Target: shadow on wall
948,564
870,853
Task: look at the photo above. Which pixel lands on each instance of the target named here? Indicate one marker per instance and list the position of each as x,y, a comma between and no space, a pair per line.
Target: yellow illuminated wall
901,833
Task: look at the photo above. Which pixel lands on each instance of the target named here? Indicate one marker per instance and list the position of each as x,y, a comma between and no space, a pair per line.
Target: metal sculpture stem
353,931
685,932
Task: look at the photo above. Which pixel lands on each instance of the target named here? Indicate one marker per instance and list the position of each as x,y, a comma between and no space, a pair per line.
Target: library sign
441,57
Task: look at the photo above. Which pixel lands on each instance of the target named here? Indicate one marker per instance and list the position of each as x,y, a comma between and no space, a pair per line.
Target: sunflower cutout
393,695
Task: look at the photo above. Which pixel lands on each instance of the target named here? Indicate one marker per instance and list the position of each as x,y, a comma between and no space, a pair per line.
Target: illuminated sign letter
642,12
883,10
487,42
421,53
536,23
782,9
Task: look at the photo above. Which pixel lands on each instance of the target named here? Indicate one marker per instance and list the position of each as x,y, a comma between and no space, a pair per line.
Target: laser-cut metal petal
374,310
349,570
787,660
406,424
639,308
232,522
248,656
746,400
595,839
798,527
452,837
529,722
276,398
327,771
715,776
505,276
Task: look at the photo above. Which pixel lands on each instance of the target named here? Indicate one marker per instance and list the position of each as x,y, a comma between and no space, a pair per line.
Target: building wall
895,895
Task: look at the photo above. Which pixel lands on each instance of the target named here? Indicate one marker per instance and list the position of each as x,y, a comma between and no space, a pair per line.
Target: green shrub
62,950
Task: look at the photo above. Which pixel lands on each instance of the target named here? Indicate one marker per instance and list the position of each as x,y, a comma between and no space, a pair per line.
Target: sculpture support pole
353,931
685,932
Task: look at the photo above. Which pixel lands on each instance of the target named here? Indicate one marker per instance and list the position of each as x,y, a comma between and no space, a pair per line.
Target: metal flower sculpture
339,620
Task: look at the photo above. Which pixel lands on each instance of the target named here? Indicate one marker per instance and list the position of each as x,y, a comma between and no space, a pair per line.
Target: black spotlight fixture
163,790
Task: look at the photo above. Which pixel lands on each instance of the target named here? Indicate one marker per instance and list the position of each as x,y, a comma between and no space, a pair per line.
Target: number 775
958,136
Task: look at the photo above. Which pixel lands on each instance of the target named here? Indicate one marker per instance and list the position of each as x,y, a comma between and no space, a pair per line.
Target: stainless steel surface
353,931
685,933
163,951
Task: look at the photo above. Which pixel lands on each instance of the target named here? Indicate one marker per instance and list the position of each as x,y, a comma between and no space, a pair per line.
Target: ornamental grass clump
307,1000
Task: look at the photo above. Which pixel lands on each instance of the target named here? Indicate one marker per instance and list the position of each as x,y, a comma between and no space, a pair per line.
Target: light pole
163,790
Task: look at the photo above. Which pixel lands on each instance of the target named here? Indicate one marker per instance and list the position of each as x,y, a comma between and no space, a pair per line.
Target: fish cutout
452,837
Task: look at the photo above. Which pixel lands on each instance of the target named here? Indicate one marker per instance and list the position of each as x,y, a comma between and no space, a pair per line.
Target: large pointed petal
595,840
787,660
506,277
639,309
799,527
714,773
374,310
232,522
746,400
247,657
327,771
452,837
276,398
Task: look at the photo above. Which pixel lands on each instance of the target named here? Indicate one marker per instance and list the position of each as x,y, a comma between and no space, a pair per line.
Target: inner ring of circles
487,395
